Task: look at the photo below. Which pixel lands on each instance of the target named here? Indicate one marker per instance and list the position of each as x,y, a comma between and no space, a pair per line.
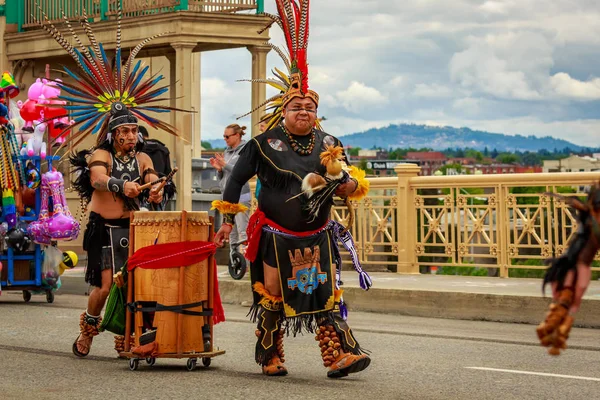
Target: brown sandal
275,367
76,350
88,327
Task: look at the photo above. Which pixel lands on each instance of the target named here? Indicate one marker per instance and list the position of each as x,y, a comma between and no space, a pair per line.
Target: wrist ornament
229,219
116,185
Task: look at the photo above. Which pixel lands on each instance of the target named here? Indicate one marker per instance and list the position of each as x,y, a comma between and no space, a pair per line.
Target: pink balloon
35,90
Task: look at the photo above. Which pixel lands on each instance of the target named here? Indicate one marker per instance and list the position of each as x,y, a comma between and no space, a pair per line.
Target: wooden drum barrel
175,333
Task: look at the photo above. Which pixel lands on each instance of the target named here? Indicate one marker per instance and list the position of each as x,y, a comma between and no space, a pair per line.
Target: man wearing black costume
295,262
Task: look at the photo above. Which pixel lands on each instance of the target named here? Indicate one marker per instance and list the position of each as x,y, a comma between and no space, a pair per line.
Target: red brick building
430,161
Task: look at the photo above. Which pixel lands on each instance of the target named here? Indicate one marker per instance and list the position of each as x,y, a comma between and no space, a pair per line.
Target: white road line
512,371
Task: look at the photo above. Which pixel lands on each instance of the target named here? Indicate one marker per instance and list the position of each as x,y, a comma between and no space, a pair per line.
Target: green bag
114,314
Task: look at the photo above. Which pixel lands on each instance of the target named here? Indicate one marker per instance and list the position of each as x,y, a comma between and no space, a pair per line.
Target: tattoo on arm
101,183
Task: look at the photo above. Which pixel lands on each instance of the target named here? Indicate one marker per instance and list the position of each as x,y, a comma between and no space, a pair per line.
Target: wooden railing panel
225,6
54,10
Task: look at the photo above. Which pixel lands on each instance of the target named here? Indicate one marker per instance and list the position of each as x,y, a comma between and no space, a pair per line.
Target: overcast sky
512,66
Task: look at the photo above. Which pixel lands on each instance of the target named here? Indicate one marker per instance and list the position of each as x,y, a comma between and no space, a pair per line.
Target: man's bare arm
146,164
99,170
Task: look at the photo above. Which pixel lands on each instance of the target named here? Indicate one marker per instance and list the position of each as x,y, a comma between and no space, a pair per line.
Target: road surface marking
512,371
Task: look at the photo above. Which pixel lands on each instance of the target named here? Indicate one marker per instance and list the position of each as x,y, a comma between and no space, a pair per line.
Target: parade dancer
107,99
292,243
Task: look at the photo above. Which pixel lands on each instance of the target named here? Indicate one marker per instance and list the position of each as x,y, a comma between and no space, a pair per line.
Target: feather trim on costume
82,183
259,288
312,183
226,207
363,183
338,295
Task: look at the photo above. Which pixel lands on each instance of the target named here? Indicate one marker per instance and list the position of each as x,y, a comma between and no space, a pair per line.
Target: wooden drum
175,333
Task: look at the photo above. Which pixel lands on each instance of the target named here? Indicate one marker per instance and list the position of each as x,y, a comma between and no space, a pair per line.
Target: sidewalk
436,296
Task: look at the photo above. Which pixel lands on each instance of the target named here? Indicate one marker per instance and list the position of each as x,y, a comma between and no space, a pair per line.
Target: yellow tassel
331,154
363,184
226,207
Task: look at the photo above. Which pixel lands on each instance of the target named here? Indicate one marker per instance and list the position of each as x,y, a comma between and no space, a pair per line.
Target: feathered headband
293,19
99,85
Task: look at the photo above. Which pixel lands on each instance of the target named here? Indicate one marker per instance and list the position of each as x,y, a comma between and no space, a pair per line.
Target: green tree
457,167
472,153
507,158
353,152
529,158
362,164
206,145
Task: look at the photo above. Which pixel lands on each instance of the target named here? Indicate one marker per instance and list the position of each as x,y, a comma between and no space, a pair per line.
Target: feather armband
228,210
362,183
225,207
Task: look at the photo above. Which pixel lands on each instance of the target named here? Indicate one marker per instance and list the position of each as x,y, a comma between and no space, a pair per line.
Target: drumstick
162,180
168,178
149,184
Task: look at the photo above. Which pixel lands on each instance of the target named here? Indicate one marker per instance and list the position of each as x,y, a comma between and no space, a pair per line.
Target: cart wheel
191,364
26,296
134,364
150,361
206,361
50,296
237,268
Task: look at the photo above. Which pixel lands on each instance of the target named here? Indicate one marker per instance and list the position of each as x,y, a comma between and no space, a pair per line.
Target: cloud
358,96
507,65
568,87
512,66
432,90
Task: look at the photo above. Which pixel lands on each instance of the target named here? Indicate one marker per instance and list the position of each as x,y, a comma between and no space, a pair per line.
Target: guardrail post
20,14
103,10
183,5
503,228
407,219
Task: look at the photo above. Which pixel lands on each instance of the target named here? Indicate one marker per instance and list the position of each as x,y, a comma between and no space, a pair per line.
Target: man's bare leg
272,283
96,302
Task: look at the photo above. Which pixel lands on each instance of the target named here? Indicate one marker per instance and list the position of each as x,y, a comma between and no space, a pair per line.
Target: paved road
413,358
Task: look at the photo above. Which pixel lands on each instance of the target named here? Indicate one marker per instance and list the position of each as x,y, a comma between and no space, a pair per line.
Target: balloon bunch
60,225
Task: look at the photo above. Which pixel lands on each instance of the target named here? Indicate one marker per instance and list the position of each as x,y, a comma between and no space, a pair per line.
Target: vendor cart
23,272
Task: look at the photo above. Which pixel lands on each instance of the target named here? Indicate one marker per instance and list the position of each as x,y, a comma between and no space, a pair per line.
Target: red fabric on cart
218,311
178,254
171,255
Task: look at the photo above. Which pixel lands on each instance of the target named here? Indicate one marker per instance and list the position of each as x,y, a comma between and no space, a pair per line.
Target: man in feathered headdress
107,100
296,264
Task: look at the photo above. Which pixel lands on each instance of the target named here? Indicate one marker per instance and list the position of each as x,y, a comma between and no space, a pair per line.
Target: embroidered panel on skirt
305,271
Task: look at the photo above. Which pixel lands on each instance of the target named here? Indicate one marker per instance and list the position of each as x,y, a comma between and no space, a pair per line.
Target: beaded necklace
296,146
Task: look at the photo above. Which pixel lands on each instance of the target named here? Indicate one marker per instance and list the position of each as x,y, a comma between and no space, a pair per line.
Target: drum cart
172,306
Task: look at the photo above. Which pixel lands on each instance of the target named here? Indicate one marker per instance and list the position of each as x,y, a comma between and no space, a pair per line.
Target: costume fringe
308,323
363,184
294,325
226,207
341,327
